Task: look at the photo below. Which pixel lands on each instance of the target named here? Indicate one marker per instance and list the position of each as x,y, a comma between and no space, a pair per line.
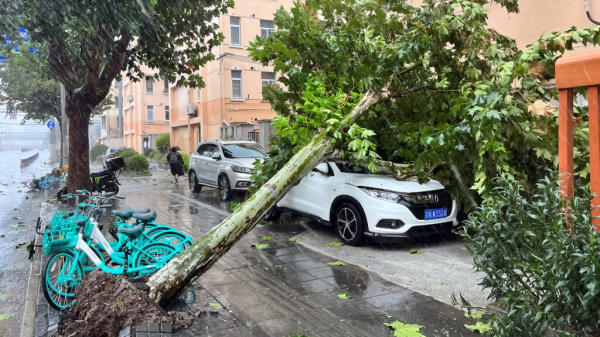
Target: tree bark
78,114
192,263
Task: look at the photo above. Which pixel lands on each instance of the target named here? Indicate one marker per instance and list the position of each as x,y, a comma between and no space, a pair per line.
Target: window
236,84
149,85
103,122
207,150
199,93
150,111
243,150
167,113
236,31
267,27
268,78
166,88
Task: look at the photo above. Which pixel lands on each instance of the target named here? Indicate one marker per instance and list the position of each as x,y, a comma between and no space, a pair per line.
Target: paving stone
166,327
154,334
125,332
141,334
142,327
153,327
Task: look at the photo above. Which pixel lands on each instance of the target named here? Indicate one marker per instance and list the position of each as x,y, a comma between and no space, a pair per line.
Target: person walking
175,163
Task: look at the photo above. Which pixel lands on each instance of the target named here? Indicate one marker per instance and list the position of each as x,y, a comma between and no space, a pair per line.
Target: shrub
541,267
126,153
97,150
137,164
163,143
98,160
154,154
147,152
186,160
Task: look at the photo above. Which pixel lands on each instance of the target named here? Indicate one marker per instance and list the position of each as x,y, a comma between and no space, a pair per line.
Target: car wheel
193,181
224,188
272,214
349,224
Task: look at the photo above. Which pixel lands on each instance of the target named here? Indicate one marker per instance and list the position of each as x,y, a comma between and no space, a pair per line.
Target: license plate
438,213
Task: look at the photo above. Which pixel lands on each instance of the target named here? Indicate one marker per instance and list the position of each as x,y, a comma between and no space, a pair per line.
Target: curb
33,286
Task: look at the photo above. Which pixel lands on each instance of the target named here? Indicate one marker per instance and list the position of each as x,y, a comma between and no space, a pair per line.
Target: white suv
360,204
225,165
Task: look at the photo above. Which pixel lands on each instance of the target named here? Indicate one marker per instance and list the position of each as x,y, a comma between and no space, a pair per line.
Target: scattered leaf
120,303
405,330
337,263
342,320
479,327
474,314
214,305
6,316
260,245
415,251
344,296
293,240
266,238
335,244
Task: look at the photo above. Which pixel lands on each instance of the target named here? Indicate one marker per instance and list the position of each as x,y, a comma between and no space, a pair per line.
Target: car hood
389,183
244,162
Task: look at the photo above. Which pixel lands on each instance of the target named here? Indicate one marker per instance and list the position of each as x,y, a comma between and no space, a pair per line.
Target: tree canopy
466,111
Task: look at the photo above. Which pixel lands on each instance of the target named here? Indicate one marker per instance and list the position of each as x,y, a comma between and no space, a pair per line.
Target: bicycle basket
61,234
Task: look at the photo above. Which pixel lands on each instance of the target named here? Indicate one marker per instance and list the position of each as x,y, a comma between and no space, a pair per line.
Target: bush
186,160
147,152
541,267
98,150
163,143
154,154
126,153
98,160
137,164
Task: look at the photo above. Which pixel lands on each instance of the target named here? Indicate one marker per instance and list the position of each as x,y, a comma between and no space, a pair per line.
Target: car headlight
382,194
241,169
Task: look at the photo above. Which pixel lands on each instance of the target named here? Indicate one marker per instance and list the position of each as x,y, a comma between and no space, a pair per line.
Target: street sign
50,125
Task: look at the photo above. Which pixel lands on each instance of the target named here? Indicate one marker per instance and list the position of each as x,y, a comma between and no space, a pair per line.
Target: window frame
165,86
237,26
149,85
268,81
148,109
268,30
167,113
241,97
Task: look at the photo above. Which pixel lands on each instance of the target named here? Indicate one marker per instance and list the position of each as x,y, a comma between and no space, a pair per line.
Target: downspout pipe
587,11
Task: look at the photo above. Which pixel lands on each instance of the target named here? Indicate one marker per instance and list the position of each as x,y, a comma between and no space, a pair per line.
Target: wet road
18,213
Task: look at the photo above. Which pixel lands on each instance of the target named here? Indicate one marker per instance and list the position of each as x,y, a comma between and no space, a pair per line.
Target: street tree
90,43
431,87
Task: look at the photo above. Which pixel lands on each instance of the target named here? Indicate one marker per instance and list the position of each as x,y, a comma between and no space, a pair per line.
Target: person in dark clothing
175,163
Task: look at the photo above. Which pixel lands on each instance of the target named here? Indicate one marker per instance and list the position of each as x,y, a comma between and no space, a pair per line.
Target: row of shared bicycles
76,245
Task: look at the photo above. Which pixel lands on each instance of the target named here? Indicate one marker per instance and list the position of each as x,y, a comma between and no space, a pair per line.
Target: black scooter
103,181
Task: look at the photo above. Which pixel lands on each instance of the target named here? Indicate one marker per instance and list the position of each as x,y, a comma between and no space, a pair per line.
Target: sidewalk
283,290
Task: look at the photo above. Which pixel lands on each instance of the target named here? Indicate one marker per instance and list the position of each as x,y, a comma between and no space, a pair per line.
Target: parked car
360,204
110,153
226,165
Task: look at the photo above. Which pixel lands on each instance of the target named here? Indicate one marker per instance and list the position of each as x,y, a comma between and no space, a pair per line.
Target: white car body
319,195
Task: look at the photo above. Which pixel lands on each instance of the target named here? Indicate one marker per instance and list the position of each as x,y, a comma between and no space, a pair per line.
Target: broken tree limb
192,263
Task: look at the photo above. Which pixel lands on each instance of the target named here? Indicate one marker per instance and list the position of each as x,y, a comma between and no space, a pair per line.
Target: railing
253,135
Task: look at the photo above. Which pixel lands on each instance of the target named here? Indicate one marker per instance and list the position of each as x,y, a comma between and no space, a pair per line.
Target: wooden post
594,127
565,141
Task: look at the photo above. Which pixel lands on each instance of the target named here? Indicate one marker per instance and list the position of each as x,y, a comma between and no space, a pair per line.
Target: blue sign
50,125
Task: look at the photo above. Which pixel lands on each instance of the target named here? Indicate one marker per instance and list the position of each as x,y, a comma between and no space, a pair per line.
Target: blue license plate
438,213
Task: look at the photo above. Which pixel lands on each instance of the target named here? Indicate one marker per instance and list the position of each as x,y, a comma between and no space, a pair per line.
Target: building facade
146,111
110,121
231,104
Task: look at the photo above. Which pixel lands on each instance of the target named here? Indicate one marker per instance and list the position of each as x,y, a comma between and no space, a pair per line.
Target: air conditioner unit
191,109
129,98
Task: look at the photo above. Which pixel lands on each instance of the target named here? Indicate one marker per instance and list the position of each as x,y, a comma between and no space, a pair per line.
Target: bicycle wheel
46,182
154,254
178,240
61,280
85,261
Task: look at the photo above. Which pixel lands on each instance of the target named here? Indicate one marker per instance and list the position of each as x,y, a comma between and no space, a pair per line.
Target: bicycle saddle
128,212
131,231
145,217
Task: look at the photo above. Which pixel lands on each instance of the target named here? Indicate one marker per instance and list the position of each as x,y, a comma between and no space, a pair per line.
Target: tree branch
60,63
112,68
95,60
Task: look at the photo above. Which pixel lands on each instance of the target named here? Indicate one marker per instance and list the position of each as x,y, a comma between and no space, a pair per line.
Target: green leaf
474,314
293,240
260,245
266,238
214,305
344,296
337,263
335,244
405,330
479,327
6,316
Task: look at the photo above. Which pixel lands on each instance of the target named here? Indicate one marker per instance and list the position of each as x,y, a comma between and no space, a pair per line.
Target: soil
105,305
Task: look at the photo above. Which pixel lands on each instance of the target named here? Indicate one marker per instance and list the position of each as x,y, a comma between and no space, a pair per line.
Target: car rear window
243,150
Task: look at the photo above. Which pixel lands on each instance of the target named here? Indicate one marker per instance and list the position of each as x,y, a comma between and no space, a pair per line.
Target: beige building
231,104
146,112
110,121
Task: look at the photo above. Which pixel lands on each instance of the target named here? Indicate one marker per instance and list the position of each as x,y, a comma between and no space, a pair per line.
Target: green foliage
335,244
98,150
337,263
163,143
539,257
457,117
126,153
480,327
260,246
344,296
405,330
137,164
153,154
99,159
186,160
214,305
266,238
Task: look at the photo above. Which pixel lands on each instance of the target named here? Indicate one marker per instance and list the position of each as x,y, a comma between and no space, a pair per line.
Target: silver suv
225,165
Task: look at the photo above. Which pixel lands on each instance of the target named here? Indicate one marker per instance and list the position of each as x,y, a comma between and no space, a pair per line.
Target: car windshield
352,168
243,150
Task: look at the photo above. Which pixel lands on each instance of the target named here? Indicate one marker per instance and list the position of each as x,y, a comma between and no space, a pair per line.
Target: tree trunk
192,263
79,164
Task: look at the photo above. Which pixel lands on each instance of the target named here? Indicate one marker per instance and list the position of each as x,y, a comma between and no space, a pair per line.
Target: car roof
229,141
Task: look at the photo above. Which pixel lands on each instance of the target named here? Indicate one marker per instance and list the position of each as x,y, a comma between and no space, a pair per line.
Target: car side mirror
323,168
216,156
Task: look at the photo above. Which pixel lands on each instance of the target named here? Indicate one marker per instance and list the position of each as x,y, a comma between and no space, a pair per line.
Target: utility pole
64,158
120,119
